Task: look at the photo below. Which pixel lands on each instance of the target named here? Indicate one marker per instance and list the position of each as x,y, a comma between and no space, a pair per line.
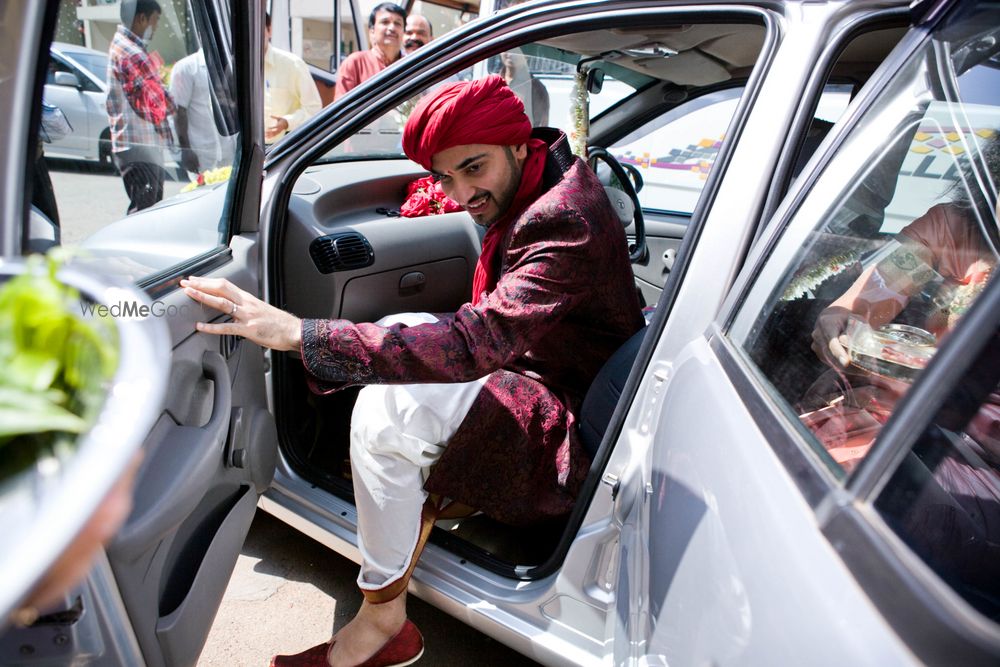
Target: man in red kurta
481,402
385,34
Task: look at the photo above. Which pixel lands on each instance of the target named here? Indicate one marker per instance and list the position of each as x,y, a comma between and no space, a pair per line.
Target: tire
104,150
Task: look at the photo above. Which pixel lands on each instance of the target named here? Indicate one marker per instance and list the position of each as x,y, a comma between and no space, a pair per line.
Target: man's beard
506,196
412,44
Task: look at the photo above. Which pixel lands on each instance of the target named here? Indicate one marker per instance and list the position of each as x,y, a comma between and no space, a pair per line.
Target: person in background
516,72
290,95
385,34
202,147
138,106
418,33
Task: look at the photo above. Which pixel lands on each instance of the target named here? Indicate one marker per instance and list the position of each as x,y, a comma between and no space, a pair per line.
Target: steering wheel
637,250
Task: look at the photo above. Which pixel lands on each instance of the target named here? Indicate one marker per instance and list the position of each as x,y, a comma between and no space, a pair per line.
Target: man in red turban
479,406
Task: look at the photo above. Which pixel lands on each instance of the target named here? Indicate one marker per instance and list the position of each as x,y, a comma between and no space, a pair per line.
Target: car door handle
180,468
668,259
412,280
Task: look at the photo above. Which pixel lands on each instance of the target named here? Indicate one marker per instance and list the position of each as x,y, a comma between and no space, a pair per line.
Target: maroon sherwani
564,301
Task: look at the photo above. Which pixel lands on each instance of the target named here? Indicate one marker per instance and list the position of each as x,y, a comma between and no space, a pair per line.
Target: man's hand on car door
251,318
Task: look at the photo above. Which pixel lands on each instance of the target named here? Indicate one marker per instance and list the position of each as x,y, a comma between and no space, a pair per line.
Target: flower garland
964,294
219,175
579,135
807,279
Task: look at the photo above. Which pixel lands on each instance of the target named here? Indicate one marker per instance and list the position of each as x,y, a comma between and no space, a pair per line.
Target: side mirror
595,80
67,79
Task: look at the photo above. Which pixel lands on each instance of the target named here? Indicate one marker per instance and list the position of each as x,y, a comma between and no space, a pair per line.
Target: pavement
289,592
90,196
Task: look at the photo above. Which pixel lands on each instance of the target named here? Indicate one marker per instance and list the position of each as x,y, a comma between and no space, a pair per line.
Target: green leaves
55,364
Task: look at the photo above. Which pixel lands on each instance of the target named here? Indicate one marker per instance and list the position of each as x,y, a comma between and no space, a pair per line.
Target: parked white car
76,82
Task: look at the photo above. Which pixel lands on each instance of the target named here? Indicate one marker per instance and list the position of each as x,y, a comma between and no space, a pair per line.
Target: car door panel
212,450
172,560
711,507
663,239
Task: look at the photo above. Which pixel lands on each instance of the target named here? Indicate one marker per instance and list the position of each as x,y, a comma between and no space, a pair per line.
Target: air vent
341,252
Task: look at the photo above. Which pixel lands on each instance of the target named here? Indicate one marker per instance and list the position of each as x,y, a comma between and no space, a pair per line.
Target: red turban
483,111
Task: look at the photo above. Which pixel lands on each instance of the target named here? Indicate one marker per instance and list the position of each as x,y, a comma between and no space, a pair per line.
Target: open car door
211,452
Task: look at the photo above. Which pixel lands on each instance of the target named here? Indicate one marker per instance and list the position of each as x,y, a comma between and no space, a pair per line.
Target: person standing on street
385,34
202,147
290,95
138,105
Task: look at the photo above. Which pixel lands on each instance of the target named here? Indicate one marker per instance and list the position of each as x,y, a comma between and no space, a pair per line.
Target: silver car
796,462
76,82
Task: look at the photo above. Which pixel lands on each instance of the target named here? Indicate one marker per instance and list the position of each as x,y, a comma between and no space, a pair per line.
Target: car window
132,170
944,498
95,63
675,152
863,296
542,75
878,267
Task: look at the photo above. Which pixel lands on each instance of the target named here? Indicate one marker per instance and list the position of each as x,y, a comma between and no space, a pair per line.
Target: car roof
68,48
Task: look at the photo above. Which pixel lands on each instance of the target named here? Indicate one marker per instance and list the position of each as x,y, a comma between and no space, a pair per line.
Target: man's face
267,38
418,32
387,33
144,23
482,178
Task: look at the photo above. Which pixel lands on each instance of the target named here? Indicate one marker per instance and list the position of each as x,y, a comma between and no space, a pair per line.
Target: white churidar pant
397,433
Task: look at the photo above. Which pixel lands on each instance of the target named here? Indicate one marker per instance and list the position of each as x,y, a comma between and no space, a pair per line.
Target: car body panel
721,520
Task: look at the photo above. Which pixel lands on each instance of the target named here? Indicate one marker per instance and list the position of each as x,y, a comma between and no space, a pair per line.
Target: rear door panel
663,239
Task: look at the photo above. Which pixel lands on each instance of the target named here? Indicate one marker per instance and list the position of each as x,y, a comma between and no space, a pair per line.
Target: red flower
424,196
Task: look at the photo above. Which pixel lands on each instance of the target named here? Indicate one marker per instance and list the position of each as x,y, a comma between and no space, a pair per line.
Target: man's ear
521,151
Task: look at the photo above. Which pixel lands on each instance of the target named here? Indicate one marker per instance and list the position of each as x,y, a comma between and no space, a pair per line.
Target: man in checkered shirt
138,105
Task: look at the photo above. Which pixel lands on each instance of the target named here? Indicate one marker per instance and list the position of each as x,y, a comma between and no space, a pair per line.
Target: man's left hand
275,129
252,319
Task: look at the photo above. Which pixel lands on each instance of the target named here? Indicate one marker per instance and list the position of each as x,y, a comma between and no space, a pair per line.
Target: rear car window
878,267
